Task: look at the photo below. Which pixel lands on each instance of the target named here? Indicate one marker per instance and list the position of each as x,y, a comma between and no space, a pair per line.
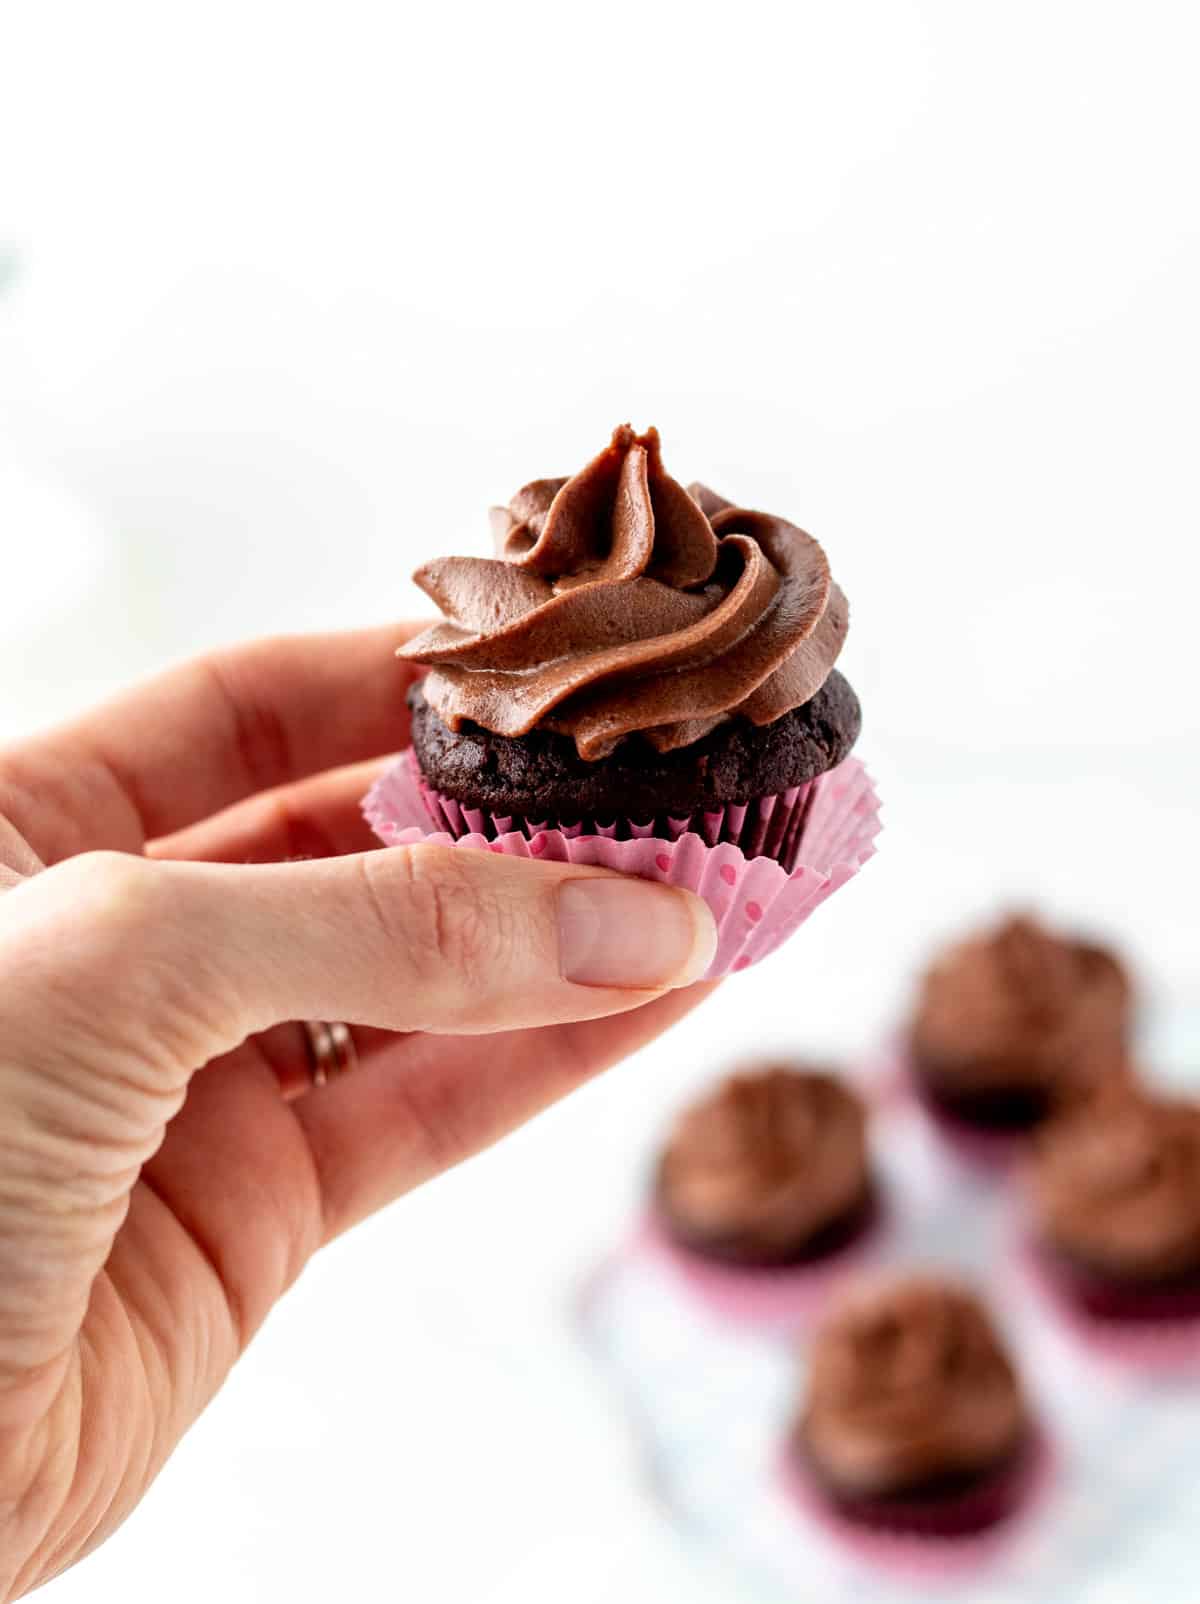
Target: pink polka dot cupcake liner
1159,1338
784,1299
941,1542
763,868
990,1151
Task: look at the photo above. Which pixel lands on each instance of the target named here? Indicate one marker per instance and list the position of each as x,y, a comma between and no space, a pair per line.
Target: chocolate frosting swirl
763,1163
1019,1006
909,1383
621,603
1115,1185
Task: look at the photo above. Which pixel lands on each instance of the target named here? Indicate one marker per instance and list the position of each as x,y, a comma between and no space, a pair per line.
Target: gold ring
331,1050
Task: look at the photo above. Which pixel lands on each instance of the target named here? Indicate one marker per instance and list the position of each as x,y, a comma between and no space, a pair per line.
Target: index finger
204,735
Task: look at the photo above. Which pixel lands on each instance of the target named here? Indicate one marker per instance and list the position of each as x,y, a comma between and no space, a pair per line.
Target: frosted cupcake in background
643,677
1113,1195
913,1420
762,1190
1013,1024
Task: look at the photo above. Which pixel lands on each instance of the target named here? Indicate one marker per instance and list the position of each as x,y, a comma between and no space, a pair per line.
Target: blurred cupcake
913,1418
763,1184
770,1169
1015,1023
651,669
1114,1194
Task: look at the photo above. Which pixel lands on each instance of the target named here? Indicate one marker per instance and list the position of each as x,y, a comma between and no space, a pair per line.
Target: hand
150,1215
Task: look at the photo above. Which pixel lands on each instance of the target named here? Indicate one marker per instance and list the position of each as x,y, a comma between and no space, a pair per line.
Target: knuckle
259,734
445,920
110,892
99,940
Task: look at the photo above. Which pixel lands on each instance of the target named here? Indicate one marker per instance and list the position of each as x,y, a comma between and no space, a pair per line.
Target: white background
299,290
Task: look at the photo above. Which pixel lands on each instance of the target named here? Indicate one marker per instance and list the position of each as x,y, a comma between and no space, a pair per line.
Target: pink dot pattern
757,900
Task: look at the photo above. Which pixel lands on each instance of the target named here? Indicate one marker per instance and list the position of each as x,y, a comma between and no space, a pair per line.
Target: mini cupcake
769,1170
1114,1194
762,1188
650,668
1013,1024
913,1418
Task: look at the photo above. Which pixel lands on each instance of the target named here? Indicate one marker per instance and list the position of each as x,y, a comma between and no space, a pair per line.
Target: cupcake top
764,1163
1115,1185
620,603
1019,1006
909,1384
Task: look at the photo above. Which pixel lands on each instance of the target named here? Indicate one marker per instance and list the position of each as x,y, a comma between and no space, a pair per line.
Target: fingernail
632,933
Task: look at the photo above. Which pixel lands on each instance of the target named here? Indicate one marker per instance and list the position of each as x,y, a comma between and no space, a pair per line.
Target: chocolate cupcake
1114,1193
913,1417
1013,1024
639,659
767,1171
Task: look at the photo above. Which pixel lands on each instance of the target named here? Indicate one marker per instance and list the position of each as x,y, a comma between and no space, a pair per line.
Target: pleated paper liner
938,1542
763,868
779,1298
1161,1337
992,1150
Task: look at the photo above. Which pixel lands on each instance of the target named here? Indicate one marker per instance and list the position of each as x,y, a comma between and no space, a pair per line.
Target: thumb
408,938
122,975
433,939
